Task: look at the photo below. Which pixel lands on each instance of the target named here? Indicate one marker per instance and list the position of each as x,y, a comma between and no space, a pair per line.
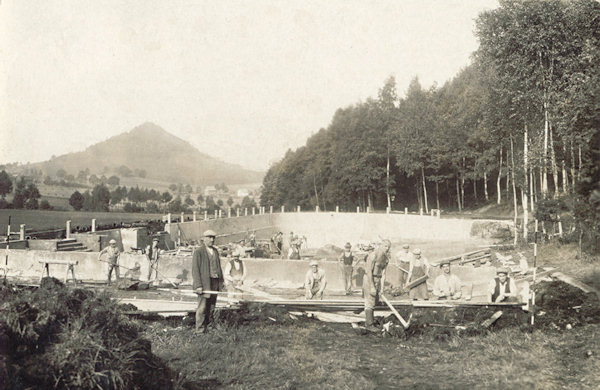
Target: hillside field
47,220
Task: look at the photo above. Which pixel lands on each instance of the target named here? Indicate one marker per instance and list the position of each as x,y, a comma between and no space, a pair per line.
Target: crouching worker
502,288
315,281
207,276
377,262
234,274
447,285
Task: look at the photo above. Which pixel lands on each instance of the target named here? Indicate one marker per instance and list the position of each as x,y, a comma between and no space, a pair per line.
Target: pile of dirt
445,323
560,305
252,313
58,337
328,252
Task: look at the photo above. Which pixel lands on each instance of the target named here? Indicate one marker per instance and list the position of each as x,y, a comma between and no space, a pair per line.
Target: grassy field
46,220
331,356
306,354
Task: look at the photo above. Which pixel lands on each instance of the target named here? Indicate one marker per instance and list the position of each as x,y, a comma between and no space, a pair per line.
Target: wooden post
194,216
337,209
93,225
68,230
245,211
22,232
206,215
358,209
298,209
253,211
270,209
317,209
283,209
438,212
169,218
182,218
406,211
387,210
216,214
237,211
220,213
432,212
229,212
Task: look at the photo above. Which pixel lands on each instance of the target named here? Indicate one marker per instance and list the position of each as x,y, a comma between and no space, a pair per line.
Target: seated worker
315,281
502,288
447,285
135,272
234,275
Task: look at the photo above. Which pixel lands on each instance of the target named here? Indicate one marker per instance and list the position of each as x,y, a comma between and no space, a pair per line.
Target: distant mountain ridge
161,154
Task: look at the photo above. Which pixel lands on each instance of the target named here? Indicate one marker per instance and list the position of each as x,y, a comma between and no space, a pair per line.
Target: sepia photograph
302,194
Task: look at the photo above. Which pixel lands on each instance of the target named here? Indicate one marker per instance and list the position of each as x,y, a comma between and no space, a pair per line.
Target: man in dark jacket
207,276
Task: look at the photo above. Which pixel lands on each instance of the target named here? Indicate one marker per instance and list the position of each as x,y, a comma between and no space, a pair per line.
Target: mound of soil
55,337
559,304
252,313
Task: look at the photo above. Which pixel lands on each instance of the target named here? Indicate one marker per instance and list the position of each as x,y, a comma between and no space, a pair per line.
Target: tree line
517,126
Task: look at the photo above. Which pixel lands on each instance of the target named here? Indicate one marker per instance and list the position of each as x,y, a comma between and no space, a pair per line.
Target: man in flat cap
346,261
315,281
152,252
377,262
502,288
112,253
447,285
207,276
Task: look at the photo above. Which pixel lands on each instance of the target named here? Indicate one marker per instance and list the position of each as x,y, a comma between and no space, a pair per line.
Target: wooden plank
416,282
487,323
398,316
64,262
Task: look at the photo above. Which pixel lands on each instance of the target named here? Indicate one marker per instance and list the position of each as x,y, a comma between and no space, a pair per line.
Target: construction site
54,288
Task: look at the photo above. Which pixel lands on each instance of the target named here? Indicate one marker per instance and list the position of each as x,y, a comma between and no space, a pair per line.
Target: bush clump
55,337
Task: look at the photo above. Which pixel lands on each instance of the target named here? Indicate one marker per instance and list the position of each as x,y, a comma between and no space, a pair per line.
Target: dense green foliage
514,125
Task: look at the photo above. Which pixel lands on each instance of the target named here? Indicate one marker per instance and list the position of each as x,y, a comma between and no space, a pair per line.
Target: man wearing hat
403,258
502,288
346,259
234,274
447,285
152,256
207,276
112,253
377,262
418,270
315,281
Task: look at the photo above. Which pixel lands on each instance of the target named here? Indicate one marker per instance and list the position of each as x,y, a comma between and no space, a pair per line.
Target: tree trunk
580,164
532,194
462,184
458,196
565,177
387,183
485,190
370,198
437,194
545,155
419,197
554,166
424,190
507,177
475,189
572,168
316,194
514,188
499,195
526,186
541,181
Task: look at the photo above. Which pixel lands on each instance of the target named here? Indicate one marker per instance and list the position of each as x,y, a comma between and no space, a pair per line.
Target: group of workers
209,278
112,253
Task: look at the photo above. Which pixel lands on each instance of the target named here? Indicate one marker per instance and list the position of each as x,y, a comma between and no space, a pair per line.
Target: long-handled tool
163,276
404,323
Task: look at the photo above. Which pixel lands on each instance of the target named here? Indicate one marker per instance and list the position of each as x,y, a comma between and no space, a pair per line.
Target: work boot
369,319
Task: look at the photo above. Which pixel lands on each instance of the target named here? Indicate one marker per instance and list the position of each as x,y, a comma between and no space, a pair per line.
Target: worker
277,241
207,276
403,258
234,275
294,252
135,272
152,252
346,262
377,262
112,253
502,288
315,281
418,270
447,285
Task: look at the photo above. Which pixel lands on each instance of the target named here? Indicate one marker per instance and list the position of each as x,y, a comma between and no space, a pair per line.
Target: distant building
242,192
210,191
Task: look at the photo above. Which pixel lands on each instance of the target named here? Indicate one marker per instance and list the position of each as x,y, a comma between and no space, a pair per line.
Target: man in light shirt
502,288
447,285
315,281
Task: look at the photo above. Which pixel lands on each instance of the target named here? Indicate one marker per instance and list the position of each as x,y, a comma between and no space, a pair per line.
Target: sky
242,81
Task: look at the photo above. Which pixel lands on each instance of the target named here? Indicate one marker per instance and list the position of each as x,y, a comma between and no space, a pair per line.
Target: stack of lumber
475,257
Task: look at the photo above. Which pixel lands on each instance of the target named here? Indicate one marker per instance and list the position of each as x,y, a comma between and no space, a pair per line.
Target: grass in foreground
317,355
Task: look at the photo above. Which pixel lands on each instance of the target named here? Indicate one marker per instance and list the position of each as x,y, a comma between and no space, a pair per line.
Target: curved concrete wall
332,228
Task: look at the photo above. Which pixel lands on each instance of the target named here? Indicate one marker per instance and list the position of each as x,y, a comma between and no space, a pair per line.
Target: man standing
152,256
377,262
502,288
207,276
112,254
315,281
403,259
447,285
346,259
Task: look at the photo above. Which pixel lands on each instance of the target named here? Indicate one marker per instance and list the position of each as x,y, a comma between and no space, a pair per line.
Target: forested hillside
518,125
